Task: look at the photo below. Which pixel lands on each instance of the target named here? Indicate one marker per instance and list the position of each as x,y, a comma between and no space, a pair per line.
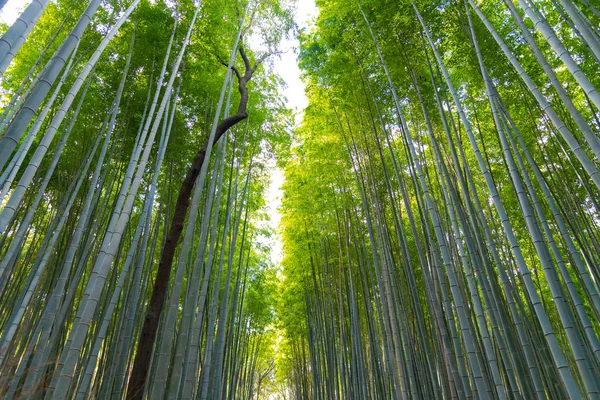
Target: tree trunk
141,365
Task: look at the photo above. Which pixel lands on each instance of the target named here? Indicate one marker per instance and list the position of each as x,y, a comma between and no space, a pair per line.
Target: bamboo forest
414,214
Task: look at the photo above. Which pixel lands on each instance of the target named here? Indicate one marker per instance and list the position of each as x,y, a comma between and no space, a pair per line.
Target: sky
12,9
286,66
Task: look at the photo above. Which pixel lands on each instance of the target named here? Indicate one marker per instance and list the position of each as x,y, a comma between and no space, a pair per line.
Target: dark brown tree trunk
137,380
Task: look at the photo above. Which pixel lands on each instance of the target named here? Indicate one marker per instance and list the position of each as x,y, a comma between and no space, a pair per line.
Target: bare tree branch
246,60
233,68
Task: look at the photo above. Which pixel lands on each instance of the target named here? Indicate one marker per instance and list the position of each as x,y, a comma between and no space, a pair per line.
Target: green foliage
328,210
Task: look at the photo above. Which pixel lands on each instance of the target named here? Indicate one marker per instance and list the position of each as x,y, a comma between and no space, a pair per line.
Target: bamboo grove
440,216
107,107
440,211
